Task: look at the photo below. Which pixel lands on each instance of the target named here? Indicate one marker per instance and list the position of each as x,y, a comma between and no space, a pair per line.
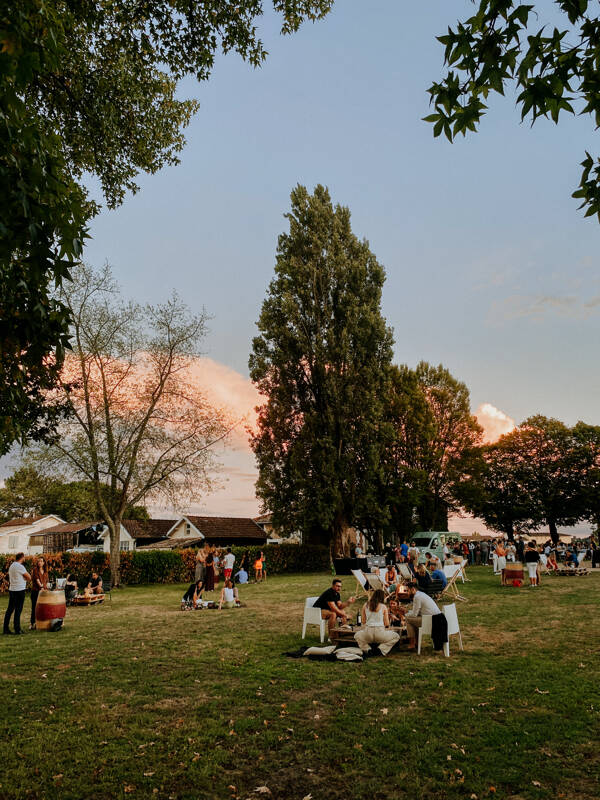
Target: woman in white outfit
229,596
376,625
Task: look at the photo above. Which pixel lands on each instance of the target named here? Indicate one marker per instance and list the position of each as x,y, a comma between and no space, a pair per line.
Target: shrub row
171,566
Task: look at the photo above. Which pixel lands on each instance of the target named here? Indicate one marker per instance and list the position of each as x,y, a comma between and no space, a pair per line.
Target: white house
15,534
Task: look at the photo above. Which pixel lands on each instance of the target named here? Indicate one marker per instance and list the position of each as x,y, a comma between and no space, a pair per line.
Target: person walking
39,581
17,577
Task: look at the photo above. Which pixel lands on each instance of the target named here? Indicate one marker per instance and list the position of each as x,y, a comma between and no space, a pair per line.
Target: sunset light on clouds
235,393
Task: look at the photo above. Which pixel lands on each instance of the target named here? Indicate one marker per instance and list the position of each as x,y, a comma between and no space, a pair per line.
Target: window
124,545
188,529
13,542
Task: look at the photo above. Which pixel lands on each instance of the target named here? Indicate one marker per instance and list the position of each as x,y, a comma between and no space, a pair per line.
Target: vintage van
433,542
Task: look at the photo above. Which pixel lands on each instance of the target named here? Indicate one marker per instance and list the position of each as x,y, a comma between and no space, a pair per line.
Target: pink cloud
495,423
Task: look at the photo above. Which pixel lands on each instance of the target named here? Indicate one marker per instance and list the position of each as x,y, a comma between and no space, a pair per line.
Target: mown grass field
135,699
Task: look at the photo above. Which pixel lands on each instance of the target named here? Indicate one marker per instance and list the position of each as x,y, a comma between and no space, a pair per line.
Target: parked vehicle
433,542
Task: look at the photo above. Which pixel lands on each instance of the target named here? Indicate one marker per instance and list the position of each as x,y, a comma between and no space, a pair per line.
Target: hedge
171,566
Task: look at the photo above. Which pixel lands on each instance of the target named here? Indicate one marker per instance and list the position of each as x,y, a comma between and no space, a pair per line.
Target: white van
433,542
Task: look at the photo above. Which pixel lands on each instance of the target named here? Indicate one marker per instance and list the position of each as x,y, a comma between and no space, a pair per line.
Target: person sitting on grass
193,597
95,584
241,576
376,625
229,595
331,605
422,604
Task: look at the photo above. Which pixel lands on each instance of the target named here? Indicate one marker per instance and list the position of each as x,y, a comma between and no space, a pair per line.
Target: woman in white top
229,595
376,626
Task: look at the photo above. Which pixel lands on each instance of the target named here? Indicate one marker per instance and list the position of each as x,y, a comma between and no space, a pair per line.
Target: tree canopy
89,88
555,71
321,361
140,427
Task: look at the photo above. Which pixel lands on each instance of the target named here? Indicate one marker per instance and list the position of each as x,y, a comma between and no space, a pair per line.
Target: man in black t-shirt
95,584
331,605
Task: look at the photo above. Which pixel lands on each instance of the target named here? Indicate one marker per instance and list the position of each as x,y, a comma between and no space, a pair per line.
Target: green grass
136,699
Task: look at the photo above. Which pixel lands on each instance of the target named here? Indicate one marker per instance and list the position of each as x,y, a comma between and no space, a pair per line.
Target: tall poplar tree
322,362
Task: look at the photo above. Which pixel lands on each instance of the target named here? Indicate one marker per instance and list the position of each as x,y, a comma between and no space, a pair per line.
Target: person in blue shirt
404,550
241,576
439,575
571,559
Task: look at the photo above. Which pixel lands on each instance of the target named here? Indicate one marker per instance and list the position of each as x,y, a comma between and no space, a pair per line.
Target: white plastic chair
581,556
453,626
449,611
61,583
312,616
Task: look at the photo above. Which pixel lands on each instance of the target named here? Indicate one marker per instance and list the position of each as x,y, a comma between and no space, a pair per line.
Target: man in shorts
228,563
331,605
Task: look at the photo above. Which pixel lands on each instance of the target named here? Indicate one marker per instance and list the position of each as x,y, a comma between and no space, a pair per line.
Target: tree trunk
115,551
340,541
510,531
553,531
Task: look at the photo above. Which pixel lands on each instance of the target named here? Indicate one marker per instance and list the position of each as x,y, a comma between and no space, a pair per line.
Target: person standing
532,558
17,577
209,579
200,572
228,563
39,581
485,553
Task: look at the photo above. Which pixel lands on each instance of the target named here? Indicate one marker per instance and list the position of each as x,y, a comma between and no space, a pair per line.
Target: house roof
12,523
263,518
149,528
227,527
70,527
173,544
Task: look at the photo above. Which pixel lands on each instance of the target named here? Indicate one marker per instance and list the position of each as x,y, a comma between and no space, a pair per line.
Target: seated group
193,596
93,587
378,618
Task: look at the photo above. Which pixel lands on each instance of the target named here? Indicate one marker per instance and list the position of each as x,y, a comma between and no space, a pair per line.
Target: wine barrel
51,606
511,572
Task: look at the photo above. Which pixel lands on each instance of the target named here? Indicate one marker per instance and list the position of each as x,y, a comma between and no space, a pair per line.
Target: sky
491,270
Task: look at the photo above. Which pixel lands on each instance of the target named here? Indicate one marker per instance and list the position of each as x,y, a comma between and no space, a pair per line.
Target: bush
170,566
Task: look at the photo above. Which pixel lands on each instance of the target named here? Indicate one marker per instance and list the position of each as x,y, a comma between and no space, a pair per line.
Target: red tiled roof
228,527
149,528
70,527
22,521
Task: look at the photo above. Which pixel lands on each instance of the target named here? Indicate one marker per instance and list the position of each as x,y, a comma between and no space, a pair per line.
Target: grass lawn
136,699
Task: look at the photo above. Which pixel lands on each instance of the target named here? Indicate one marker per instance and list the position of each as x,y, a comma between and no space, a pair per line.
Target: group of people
19,577
424,575
211,560
380,616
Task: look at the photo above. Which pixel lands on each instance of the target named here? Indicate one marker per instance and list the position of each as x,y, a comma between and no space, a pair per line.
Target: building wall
16,538
127,541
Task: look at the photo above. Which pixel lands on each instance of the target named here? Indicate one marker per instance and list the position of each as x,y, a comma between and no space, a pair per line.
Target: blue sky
491,269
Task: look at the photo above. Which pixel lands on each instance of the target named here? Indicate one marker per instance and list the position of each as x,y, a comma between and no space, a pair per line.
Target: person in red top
39,581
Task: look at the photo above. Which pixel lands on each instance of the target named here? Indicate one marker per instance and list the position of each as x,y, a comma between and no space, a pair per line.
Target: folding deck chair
452,572
361,583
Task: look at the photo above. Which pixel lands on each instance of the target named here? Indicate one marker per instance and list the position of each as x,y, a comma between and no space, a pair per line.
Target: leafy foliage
170,566
29,492
89,87
140,426
554,71
534,475
322,362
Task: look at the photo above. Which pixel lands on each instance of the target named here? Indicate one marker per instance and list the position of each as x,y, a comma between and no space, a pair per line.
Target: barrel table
512,571
51,607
